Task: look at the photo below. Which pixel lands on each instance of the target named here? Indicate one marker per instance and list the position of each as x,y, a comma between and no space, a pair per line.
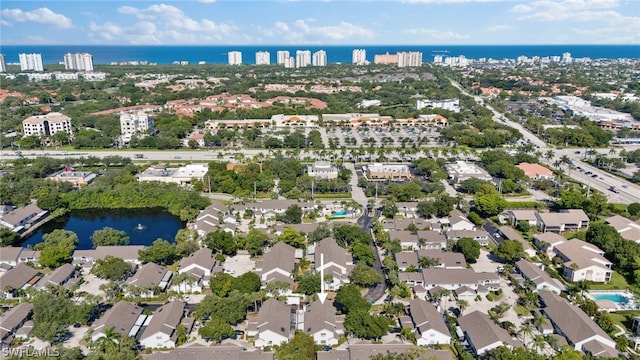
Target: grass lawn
618,282
623,318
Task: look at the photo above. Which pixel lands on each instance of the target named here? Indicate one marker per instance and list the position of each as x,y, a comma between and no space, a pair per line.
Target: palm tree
565,160
524,331
109,341
539,343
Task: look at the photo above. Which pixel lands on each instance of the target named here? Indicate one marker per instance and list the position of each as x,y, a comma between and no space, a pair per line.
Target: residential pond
143,226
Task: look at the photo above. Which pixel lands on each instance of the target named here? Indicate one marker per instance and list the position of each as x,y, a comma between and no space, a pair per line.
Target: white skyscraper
31,62
359,57
566,58
303,58
263,58
3,64
319,58
79,61
283,55
289,62
409,59
235,58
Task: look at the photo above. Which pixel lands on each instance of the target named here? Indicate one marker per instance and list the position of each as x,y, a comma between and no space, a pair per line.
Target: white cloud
448,1
174,18
42,16
437,35
304,31
496,28
207,1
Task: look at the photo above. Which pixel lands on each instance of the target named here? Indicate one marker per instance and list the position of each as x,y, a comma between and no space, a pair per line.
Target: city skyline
406,22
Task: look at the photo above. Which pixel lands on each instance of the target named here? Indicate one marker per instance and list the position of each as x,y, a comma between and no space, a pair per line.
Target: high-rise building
319,58
409,59
283,55
79,61
303,58
31,62
47,125
3,64
263,58
386,59
235,58
359,57
289,62
566,58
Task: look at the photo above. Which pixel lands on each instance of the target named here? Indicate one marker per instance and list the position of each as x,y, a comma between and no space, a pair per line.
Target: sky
320,22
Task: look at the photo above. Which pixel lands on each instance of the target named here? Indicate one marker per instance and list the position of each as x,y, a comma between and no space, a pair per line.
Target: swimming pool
615,297
341,212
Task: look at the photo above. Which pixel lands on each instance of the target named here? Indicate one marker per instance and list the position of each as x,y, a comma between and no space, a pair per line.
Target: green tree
231,309
221,241
469,248
571,199
292,237
309,283
510,250
364,275
246,283
364,325
490,204
216,330
255,242
634,209
160,252
348,299
111,268
363,253
475,218
108,237
293,215
221,284
301,347
54,311
57,248
320,233
8,237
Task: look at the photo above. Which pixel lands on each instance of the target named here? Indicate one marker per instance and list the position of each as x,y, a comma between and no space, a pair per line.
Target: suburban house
211,218
125,318
272,326
536,171
444,259
564,220
576,326
59,276
537,275
548,241
457,221
337,262
404,224
366,351
269,209
321,322
128,253
12,255
278,264
408,239
428,323
628,229
70,175
481,236
200,266
510,233
450,279
584,261
199,352
18,278
21,218
526,215
406,259
432,240
408,209
465,293
150,279
161,329
11,320
483,335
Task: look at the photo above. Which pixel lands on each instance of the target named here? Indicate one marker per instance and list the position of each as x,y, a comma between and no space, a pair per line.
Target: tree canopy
57,248
108,237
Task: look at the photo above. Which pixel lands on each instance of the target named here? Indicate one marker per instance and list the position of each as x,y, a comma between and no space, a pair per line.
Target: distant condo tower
386,59
320,58
79,61
263,58
359,57
303,58
3,64
283,55
409,59
235,58
290,62
31,62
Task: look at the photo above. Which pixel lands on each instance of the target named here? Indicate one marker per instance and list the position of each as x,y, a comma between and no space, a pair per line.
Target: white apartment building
359,57
47,125
135,123
566,58
79,61
235,58
319,58
282,56
322,170
290,62
303,58
448,104
3,64
31,62
263,58
409,59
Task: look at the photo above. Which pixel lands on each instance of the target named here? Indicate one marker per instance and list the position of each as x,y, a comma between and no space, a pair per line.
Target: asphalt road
492,230
377,292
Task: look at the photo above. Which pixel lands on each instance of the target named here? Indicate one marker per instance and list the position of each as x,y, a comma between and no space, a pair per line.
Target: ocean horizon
163,54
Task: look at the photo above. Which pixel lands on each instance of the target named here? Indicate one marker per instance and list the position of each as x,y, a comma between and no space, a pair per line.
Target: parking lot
239,265
388,136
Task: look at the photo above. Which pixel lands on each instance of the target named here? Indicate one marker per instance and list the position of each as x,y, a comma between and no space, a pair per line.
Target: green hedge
522,204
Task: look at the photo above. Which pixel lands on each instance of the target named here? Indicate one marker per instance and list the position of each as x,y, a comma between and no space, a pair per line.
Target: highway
628,192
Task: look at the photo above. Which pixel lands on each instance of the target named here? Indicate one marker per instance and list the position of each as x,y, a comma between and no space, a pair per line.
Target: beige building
385,59
47,125
380,171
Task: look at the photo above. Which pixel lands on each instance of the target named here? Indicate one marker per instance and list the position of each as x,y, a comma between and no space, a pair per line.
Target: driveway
492,230
239,264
